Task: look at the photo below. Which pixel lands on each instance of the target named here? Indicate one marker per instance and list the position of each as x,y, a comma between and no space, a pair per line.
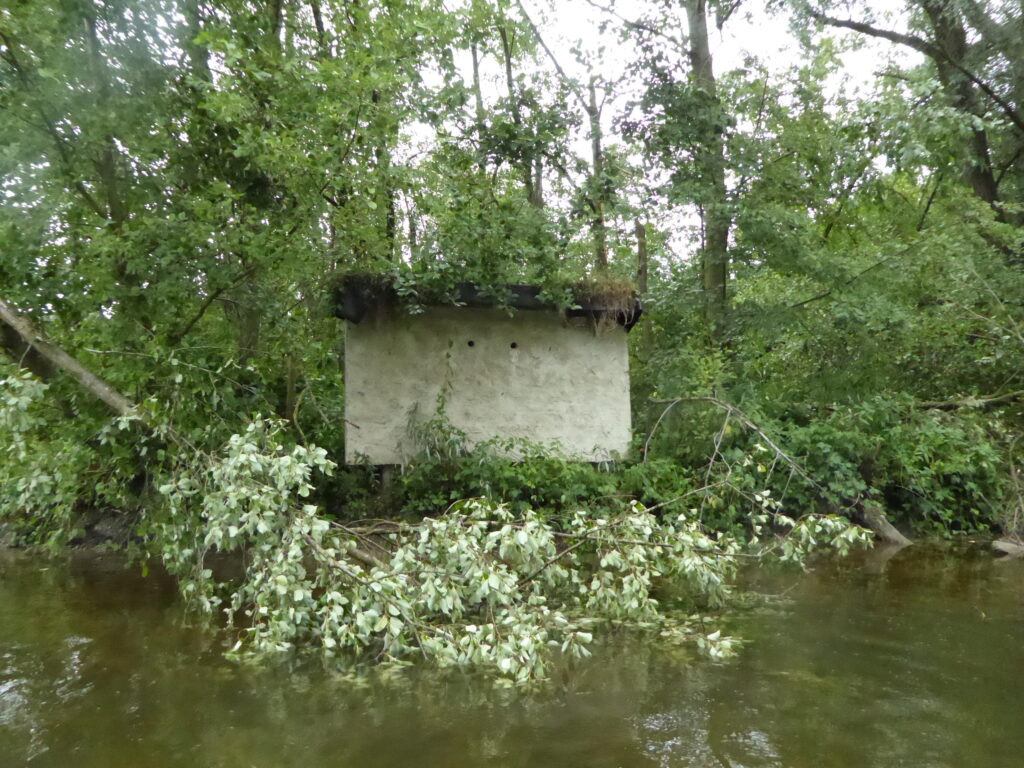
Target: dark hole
513,345
471,343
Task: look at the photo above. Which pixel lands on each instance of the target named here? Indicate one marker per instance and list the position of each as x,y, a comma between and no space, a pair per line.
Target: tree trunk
245,311
642,277
642,260
198,56
711,169
318,22
24,354
951,38
387,199
950,48
478,96
873,517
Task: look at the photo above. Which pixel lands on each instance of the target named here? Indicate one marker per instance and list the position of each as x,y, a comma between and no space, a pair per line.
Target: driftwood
872,516
1012,549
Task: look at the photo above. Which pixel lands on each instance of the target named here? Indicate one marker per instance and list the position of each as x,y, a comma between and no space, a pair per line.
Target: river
915,661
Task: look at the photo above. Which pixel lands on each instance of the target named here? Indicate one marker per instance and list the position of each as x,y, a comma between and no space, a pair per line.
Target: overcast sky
750,31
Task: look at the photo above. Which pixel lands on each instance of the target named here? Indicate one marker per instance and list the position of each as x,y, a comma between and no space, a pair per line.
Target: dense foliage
832,281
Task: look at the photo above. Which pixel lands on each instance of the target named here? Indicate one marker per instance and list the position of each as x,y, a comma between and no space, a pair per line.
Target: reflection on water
913,661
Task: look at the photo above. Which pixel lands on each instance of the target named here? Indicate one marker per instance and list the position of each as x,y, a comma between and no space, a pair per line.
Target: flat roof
355,296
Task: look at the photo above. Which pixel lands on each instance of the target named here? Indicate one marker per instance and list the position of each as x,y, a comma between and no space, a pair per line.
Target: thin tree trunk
109,169
478,100
414,238
642,271
948,48
525,163
382,167
642,260
538,182
952,41
276,20
318,22
599,227
198,56
478,97
244,309
106,165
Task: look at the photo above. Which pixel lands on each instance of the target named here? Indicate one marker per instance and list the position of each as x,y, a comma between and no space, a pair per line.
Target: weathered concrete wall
534,375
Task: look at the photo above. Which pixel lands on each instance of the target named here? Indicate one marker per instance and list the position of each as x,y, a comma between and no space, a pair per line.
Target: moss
611,294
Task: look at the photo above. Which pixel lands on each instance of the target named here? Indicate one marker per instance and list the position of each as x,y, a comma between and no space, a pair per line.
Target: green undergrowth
502,556
935,472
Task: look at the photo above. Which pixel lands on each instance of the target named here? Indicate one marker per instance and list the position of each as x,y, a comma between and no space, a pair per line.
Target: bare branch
50,127
929,49
631,24
982,403
573,86
850,280
918,44
175,338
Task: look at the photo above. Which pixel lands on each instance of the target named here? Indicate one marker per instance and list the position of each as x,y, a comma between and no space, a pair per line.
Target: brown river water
916,661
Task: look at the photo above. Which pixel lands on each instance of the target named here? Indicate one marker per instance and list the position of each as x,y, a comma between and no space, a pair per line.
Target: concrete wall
534,375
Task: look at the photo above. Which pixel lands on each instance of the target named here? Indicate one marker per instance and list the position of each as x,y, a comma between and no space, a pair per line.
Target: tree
182,179
681,123
976,50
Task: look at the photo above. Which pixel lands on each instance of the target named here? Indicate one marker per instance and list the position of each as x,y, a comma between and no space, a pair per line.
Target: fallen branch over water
867,513
62,361
480,585
982,403
872,515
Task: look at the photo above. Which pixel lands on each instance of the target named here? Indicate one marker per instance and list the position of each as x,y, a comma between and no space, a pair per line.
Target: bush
480,585
936,471
56,472
538,481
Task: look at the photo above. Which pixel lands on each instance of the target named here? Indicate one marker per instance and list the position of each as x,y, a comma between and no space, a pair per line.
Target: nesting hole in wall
514,345
470,343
